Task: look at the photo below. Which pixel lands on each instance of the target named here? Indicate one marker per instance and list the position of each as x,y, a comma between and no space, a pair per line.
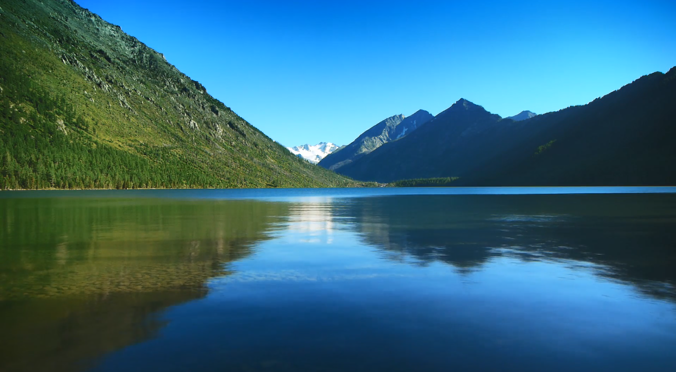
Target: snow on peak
313,153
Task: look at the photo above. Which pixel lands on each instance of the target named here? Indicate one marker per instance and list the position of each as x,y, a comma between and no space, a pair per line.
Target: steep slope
365,143
523,115
430,150
624,138
314,153
82,104
390,129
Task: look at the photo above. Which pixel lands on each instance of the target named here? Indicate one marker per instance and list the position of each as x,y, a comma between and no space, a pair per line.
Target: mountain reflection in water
381,282
628,238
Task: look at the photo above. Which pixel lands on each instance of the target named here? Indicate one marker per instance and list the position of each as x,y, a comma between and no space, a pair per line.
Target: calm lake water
523,279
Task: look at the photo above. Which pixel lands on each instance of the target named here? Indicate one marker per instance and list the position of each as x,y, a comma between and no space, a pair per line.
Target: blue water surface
438,279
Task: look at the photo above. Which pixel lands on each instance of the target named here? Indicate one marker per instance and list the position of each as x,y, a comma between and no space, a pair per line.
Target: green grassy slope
84,105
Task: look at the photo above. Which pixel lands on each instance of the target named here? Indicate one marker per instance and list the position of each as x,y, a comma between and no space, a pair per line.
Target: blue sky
311,71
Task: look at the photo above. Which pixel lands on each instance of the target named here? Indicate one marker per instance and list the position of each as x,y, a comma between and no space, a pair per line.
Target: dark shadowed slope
84,105
428,151
624,138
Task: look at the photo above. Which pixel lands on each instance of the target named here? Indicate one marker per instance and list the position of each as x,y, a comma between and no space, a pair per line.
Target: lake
438,279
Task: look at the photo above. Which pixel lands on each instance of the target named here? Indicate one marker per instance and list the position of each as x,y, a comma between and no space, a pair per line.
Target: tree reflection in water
82,277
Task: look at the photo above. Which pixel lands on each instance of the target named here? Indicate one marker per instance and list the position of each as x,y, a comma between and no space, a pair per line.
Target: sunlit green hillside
84,105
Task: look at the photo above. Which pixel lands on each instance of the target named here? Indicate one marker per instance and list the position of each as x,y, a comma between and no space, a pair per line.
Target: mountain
425,152
523,115
390,129
624,138
84,105
313,153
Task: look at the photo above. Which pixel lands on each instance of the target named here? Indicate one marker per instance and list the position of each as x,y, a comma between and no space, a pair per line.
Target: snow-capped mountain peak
314,153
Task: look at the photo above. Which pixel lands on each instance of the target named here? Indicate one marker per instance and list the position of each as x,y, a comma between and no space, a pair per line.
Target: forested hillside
84,105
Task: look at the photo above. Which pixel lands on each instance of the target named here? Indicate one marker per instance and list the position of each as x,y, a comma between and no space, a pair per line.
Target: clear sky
313,71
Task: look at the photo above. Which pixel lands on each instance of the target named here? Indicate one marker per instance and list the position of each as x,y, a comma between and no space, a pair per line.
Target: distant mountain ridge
314,153
623,138
390,129
418,154
523,115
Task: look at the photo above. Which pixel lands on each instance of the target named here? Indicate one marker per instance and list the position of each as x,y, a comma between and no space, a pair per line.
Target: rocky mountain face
419,154
390,129
314,153
523,115
624,138
409,124
82,104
